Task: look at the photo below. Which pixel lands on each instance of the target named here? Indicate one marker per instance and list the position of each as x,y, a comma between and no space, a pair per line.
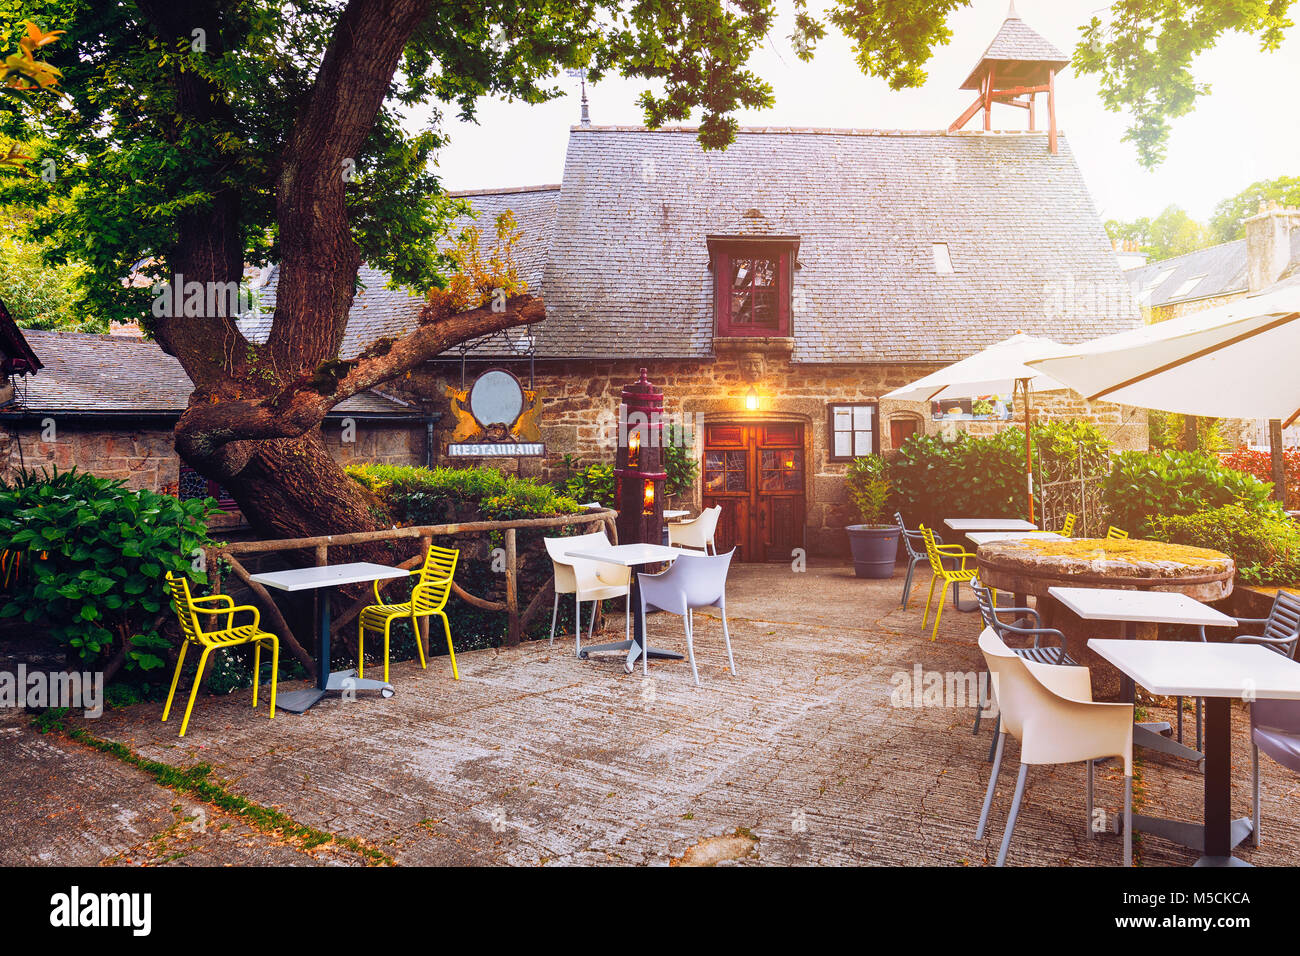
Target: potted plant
874,543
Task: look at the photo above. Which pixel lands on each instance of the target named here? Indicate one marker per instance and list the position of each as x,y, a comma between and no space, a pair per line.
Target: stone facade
143,454
579,416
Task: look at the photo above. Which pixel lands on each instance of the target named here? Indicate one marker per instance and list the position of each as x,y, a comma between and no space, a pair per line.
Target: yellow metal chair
1115,534
938,554
428,597
1067,526
188,608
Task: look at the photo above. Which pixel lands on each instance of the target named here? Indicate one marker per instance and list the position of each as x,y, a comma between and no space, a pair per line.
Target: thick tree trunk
293,488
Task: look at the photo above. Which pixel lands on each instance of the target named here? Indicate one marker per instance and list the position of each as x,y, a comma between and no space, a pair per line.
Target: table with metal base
1219,673
323,580
632,556
1144,607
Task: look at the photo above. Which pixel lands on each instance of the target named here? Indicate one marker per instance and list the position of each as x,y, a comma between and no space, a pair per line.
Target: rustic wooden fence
232,553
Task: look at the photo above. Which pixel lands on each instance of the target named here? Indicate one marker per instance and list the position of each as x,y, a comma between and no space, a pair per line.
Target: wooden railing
320,546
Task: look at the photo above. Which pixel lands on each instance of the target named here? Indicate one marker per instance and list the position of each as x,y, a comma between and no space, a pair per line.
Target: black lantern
638,467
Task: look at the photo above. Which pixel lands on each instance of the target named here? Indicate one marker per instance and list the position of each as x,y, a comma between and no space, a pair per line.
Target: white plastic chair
696,533
587,580
1050,710
691,581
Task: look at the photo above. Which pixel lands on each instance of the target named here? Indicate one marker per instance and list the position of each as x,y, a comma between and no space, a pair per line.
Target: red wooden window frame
724,254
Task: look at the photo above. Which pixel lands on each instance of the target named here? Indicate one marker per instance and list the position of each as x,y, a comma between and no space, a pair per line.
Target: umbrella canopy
994,371
1000,369
1234,361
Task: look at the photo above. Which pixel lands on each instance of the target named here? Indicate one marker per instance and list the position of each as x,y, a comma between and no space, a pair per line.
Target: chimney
1130,255
1269,240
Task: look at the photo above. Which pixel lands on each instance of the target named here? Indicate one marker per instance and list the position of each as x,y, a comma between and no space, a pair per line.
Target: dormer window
752,282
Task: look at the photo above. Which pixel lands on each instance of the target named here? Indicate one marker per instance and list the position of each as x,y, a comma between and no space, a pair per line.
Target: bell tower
1018,65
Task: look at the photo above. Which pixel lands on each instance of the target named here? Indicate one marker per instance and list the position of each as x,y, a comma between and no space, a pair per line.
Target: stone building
108,403
1170,288
777,289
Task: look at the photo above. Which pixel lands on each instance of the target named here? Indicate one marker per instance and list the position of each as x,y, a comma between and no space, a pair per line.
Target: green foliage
1172,233
680,463
985,475
39,296
1167,431
1142,53
434,496
971,476
593,483
1229,219
97,553
1173,483
869,488
1264,543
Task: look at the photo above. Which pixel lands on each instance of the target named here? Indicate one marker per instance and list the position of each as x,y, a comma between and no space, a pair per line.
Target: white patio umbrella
1000,369
1234,361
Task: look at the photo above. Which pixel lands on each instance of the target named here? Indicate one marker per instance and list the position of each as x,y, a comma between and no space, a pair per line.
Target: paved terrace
537,758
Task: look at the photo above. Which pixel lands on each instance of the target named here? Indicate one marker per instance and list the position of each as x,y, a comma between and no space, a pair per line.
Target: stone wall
144,455
579,415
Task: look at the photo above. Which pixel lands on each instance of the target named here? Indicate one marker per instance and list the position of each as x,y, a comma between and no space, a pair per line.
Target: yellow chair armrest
213,597
232,611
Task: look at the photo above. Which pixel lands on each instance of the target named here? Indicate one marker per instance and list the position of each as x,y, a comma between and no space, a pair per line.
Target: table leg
1219,827
633,647
1151,734
299,701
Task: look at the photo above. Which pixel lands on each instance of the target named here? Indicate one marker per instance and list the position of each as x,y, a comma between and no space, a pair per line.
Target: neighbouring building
108,404
1170,288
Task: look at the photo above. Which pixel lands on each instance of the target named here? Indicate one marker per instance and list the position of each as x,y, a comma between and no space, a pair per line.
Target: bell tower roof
1018,55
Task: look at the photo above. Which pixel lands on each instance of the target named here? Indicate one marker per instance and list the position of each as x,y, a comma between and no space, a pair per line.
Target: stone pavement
535,757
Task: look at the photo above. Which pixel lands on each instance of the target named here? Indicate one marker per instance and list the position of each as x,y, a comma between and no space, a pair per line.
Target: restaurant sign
495,417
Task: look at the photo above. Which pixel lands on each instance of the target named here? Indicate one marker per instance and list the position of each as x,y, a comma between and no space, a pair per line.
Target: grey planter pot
875,548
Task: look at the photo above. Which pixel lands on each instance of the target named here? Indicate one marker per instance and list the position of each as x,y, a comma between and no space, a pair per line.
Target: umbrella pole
1029,457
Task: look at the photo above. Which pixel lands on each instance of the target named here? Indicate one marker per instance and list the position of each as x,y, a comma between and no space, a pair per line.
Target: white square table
1217,672
1143,607
988,537
632,556
673,514
322,580
989,524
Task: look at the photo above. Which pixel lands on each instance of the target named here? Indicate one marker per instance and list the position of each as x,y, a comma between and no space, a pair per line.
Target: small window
1187,286
753,286
852,431
942,259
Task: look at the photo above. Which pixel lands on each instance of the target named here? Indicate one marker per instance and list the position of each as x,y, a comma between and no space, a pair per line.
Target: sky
1244,131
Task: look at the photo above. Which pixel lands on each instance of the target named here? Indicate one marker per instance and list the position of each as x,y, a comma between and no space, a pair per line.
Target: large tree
198,136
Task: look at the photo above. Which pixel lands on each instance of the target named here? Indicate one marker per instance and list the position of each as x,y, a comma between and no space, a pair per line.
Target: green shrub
680,463
1172,483
435,496
593,483
96,553
868,485
1264,543
971,476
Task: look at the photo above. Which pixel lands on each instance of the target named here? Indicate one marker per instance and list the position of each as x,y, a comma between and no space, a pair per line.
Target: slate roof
1015,41
628,271
1221,268
380,312
111,374
619,251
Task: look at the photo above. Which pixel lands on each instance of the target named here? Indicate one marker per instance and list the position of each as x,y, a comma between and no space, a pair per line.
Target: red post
638,465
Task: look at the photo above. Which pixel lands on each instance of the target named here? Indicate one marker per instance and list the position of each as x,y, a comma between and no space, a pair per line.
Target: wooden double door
757,473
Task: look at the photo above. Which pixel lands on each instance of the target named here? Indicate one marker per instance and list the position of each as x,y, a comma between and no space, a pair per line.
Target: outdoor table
674,514
1216,672
632,556
322,580
1132,608
986,537
989,524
